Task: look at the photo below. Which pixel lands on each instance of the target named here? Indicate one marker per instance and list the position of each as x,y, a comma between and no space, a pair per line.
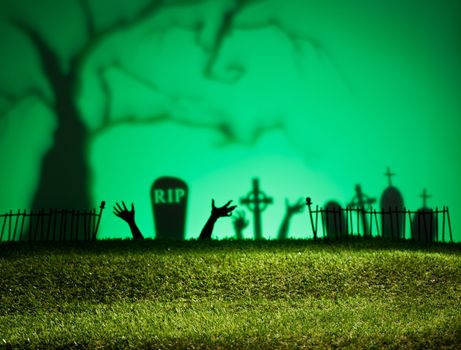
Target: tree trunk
64,173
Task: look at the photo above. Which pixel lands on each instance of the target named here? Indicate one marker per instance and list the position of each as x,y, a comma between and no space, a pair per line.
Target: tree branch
108,124
49,59
297,40
223,31
106,116
213,53
150,85
89,19
263,129
101,72
15,100
129,120
227,25
144,13
30,93
222,128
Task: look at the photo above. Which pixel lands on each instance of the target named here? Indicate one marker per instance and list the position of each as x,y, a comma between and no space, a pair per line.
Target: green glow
344,91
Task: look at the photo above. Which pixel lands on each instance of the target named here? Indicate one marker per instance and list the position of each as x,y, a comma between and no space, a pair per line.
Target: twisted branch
297,41
13,100
89,19
108,124
225,28
228,25
106,115
97,37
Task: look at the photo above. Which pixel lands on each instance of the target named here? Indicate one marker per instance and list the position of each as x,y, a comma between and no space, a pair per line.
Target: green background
312,97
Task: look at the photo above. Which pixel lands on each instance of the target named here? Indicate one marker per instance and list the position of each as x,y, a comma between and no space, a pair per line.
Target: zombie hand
124,213
240,222
216,213
128,216
225,210
294,208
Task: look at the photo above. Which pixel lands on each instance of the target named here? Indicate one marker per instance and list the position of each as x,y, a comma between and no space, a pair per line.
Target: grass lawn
228,294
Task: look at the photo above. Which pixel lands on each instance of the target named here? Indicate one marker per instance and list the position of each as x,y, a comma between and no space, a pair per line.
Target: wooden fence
50,225
341,223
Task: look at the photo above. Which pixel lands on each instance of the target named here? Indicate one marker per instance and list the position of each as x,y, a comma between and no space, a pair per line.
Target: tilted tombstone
363,204
393,215
335,221
169,204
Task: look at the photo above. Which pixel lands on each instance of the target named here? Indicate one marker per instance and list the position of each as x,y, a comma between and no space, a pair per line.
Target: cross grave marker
256,201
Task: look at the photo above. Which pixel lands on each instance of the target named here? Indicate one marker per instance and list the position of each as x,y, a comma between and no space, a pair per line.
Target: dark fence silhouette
342,223
50,225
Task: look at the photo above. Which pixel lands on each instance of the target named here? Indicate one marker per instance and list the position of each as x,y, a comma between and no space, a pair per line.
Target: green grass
292,294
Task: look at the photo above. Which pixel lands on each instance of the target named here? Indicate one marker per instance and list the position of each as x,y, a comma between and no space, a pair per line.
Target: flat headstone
169,204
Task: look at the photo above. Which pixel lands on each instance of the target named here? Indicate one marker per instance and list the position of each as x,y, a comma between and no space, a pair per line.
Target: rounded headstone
424,226
335,221
169,204
392,218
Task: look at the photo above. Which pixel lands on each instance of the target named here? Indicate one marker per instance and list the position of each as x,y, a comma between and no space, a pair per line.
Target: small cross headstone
393,216
424,223
257,202
389,176
425,196
169,204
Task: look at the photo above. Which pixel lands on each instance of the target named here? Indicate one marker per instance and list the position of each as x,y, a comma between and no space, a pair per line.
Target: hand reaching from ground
294,208
124,213
240,223
216,213
128,216
225,210
291,209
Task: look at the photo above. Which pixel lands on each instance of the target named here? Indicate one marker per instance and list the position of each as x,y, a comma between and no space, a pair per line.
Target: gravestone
424,224
392,208
169,204
424,229
256,201
363,203
335,221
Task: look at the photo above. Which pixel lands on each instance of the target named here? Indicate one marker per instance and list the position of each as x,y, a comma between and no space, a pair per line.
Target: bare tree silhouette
65,172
